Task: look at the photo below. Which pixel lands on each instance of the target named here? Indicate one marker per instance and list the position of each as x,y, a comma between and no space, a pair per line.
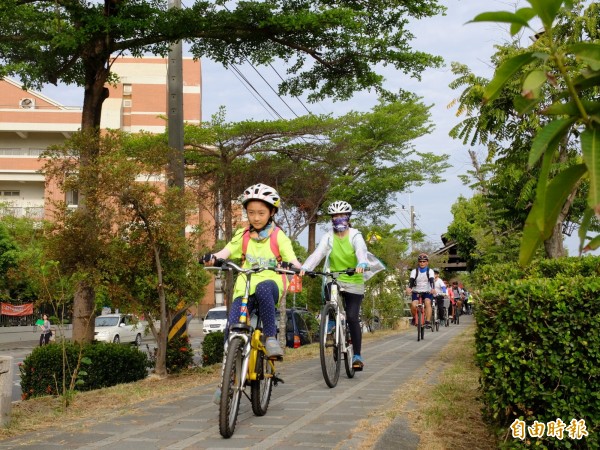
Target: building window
127,103
10,193
126,89
72,198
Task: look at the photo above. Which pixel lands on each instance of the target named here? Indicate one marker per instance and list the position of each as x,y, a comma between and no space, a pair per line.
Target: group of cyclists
342,248
425,283
262,243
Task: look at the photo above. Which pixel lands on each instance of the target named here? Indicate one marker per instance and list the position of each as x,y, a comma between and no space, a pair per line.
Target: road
20,350
303,413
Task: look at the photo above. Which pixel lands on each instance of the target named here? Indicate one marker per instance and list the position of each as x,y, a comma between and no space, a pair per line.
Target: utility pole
175,110
412,227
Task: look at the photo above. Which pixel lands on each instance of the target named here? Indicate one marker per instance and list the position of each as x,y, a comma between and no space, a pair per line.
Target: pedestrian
46,331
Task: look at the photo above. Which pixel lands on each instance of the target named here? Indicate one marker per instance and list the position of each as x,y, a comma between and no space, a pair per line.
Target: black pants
45,338
352,304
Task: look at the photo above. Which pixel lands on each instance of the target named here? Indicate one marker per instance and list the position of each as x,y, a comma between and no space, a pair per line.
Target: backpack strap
272,241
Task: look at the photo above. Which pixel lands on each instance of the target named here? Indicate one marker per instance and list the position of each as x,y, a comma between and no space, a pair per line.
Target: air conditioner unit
27,103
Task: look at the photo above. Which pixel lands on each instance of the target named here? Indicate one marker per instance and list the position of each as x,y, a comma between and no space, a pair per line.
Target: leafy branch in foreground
572,67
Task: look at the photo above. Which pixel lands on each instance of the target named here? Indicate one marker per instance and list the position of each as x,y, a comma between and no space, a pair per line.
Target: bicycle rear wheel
349,355
330,351
231,389
260,393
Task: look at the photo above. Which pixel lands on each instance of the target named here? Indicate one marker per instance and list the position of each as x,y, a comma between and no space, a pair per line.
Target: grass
441,406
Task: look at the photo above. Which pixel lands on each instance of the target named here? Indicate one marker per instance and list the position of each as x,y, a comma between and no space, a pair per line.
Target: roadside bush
179,354
538,348
109,364
213,347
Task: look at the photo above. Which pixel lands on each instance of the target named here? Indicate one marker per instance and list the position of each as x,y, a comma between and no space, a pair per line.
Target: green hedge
538,347
104,365
213,347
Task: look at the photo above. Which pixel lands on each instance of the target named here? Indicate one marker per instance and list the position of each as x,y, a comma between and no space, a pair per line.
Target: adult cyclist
343,248
440,289
421,284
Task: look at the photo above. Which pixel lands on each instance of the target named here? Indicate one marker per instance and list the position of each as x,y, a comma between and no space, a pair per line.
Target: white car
118,328
215,320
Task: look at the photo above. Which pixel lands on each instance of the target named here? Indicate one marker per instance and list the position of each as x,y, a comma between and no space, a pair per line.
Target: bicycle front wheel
231,389
260,393
420,328
329,349
349,356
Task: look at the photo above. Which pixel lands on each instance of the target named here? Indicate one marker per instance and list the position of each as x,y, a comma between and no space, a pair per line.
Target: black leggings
44,338
352,304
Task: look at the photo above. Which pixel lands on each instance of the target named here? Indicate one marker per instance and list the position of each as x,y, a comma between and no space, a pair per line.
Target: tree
363,157
570,62
144,264
75,42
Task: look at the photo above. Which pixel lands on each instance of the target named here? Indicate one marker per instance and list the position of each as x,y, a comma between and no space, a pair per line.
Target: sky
448,36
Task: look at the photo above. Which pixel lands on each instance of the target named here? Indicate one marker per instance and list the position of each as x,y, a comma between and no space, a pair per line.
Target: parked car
301,328
215,320
118,328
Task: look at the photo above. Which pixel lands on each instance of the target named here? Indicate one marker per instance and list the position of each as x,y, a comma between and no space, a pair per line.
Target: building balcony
29,212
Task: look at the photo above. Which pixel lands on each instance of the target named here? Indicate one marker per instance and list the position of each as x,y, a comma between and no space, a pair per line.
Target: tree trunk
554,245
83,313
94,96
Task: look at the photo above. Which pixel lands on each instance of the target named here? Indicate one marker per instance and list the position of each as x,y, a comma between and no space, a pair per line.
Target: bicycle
435,321
334,337
420,316
246,362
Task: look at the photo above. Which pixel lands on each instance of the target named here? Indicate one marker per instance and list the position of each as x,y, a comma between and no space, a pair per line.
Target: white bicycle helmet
262,192
339,207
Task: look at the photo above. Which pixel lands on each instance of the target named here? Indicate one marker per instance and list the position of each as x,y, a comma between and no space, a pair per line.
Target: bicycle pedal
277,380
358,367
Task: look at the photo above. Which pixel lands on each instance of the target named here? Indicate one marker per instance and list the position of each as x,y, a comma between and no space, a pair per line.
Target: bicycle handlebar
225,264
314,273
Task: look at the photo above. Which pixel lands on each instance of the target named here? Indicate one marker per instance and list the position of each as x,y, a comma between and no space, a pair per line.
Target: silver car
118,328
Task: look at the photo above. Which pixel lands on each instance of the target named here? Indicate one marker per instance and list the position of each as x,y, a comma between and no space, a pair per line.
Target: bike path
303,414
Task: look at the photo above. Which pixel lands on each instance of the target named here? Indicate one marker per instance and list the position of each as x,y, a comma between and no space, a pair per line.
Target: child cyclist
254,246
344,248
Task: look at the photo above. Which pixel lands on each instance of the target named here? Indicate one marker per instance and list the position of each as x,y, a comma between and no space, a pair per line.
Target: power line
237,70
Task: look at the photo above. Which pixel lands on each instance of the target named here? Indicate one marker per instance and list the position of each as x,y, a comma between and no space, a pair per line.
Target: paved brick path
303,414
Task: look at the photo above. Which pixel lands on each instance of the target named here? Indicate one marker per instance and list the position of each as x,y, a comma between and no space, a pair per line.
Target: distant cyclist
459,295
421,284
440,289
344,248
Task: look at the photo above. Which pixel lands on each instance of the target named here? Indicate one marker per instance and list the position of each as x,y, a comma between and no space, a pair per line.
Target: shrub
213,347
538,348
179,354
109,364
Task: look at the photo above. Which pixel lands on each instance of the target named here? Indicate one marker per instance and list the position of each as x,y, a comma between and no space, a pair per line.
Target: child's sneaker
273,349
357,363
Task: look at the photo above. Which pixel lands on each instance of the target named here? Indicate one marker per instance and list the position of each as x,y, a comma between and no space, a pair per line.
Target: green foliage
102,365
180,354
537,345
571,61
212,348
